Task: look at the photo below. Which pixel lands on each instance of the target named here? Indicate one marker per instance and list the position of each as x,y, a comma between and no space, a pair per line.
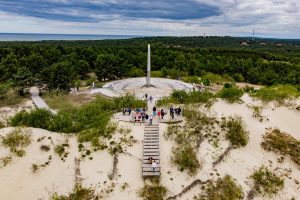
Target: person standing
179,111
150,119
158,114
162,112
154,111
129,111
151,99
154,165
146,96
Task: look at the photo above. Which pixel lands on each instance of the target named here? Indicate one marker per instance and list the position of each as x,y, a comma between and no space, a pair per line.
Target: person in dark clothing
172,112
176,111
129,111
179,111
162,113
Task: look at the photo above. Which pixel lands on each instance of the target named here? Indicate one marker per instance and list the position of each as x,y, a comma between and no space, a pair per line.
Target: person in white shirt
154,165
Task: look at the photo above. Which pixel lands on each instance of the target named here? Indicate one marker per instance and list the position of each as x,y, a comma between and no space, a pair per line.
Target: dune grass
16,141
9,97
78,193
282,143
236,132
88,121
183,97
1,125
185,158
276,93
266,183
151,192
222,189
188,137
230,93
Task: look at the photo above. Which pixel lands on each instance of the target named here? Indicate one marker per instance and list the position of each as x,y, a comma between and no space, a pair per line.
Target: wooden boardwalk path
151,149
38,101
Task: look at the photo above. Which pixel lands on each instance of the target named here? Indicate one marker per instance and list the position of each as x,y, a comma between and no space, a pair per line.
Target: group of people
175,111
159,113
150,98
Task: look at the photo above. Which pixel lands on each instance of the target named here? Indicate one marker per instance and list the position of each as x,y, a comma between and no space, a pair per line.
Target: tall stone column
148,67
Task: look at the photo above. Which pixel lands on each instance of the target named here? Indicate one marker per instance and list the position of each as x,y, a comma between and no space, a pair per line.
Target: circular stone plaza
159,87
156,87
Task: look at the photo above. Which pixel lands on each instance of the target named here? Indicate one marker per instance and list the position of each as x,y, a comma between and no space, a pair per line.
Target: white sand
18,181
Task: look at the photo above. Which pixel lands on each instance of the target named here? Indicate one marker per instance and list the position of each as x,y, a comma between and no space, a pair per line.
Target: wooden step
151,173
151,142
151,147
153,157
151,150
146,162
151,154
151,138
147,166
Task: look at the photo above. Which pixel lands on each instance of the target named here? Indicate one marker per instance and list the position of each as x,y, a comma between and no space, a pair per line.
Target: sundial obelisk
148,84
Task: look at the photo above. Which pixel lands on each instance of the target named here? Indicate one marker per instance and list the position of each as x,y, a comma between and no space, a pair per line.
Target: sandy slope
18,181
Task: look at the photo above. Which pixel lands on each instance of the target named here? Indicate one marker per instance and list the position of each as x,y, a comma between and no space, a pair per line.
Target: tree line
60,63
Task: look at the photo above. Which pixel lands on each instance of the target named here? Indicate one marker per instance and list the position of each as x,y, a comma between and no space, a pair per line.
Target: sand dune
19,182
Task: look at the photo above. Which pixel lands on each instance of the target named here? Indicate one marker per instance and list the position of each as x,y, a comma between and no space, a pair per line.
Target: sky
269,18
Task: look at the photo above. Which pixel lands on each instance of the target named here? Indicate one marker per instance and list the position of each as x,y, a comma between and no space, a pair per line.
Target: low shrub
16,141
235,131
8,96
5,161
222,189
89,121
183,97
230,94
266,182
1,125
282,143
151,192
185,158
38,118
276,93
211,78
79,193
129,101
192,79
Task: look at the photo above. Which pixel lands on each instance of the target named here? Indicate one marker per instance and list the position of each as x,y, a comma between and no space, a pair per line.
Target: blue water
40,37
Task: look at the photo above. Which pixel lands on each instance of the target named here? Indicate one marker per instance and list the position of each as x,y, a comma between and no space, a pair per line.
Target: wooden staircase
151,149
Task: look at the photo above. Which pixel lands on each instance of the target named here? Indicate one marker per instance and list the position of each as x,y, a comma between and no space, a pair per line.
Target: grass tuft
230,93
183,97
16,141
282,143
78,193
222,189
151,192
185,158
236,132
276,93
266,182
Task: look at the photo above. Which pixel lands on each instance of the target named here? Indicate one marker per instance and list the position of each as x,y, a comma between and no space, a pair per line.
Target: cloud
270,18
87,11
